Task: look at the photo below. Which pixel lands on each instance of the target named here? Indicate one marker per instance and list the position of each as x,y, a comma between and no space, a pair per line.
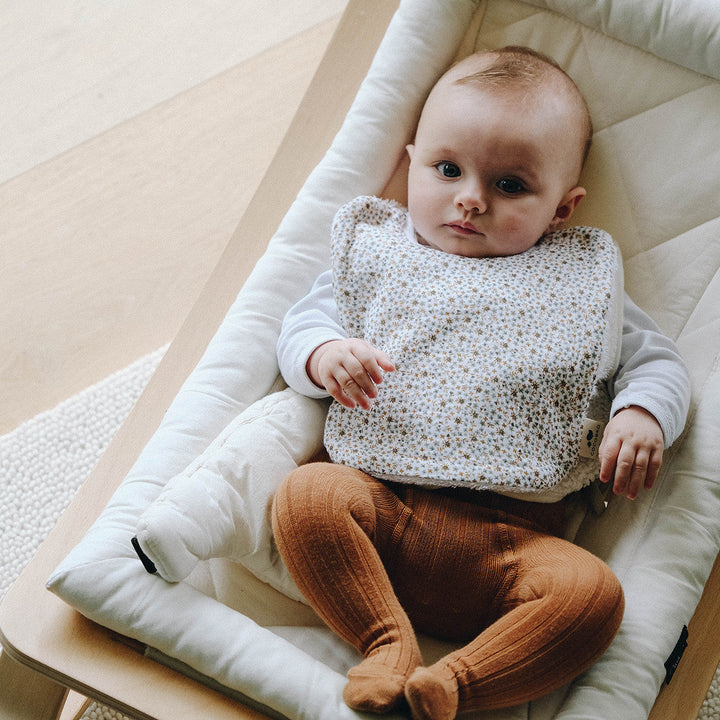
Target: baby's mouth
463,228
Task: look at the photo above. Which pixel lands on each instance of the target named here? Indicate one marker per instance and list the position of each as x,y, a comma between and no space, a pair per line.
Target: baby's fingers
372,362
607,453
623,470
632,449
636,476
617,463
349,370
342,388
356,383
653,469
384,360
635,470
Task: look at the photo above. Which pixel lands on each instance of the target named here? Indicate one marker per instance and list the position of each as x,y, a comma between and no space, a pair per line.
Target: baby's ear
567,206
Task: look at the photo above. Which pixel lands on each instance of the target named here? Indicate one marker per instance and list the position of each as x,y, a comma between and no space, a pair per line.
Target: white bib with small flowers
499,361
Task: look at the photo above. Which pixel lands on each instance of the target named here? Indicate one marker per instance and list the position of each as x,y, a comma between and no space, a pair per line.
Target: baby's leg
326,519
561,613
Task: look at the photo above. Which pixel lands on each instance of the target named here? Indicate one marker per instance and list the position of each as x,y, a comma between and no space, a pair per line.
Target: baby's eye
510,186
448,169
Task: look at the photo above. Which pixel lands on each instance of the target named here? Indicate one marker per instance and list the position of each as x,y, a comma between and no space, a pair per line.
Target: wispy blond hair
520,65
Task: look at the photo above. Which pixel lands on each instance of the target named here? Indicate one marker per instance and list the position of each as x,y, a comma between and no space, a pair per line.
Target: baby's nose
471,198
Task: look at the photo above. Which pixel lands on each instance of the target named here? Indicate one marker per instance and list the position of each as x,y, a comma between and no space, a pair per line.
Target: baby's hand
349,370
632,448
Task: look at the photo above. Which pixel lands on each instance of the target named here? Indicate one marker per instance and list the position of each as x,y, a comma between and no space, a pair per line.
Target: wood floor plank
70,70
104,249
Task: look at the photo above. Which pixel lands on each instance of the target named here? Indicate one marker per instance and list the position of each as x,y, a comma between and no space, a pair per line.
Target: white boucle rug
45,460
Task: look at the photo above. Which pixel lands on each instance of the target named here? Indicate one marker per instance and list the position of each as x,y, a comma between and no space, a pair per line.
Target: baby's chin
470,246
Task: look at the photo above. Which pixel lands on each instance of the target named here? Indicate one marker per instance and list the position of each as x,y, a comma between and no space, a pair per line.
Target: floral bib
498,360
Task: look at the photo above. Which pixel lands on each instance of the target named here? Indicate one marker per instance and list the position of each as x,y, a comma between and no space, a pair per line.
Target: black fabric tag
673,661
148,564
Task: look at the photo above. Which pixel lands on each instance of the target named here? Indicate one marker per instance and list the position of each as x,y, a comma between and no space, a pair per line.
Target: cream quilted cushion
682,31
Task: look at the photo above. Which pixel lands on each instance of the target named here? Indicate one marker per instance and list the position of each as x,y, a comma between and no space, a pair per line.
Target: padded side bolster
220,505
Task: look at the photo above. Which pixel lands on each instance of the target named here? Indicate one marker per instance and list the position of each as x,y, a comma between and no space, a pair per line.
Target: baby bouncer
216,440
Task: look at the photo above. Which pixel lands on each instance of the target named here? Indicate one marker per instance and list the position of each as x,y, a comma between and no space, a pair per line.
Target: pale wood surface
72,69
75,706
34,697
106,239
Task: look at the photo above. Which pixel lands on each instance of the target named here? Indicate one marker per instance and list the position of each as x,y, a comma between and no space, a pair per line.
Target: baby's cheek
423,213
520,234
511,227
514,231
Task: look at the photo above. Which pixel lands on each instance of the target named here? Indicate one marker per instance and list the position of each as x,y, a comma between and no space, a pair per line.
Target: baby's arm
308,324
349,370
632,449
317,358
651,398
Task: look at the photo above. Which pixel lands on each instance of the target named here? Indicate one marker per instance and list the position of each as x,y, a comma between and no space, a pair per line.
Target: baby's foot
377,684
431,696
374,689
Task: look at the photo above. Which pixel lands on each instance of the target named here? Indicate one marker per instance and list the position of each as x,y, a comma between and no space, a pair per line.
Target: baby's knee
317,496
580,589
298,494
593,597
297,484
599,584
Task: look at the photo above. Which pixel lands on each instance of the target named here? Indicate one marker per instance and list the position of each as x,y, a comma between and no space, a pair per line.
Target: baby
463,340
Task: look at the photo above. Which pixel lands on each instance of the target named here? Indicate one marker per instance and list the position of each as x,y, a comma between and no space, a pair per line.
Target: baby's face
491,170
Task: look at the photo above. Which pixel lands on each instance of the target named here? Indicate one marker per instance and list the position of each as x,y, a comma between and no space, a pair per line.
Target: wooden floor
132,137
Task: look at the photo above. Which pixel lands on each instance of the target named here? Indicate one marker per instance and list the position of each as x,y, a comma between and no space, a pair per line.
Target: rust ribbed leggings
379,561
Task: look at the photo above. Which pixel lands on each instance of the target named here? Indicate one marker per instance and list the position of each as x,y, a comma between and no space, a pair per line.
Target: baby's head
497,154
